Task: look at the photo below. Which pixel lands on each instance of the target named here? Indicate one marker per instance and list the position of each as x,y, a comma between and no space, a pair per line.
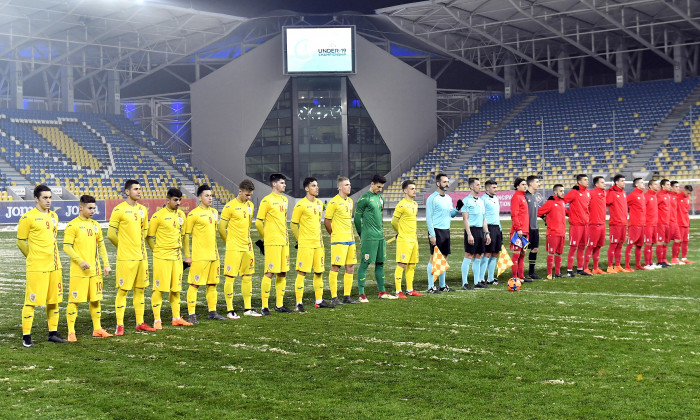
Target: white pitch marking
555,292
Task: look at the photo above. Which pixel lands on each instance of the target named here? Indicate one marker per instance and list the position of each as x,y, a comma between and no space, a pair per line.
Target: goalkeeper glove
261,245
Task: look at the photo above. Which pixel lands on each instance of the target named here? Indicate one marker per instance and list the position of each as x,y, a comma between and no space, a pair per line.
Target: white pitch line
555,292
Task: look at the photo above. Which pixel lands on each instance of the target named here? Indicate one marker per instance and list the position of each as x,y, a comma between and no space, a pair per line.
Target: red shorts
675,234
596,235
636,235
650,236
517,248
578,235
685,233
662,233
618,234
555,244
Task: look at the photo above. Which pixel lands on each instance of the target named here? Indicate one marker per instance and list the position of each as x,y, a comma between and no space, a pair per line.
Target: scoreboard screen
319,50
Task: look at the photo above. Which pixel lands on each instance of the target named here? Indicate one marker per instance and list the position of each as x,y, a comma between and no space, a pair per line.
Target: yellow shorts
311,260
407,252
83,289
204,272
167,275
132,274
44,287
276,258
239,263
343,254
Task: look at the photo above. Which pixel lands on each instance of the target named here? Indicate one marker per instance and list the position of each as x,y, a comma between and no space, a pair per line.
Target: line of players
178,241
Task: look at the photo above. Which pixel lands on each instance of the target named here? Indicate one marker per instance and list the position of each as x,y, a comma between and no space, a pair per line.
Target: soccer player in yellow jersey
165,232
36,238
128,225
201,225
306,227
82,240
338,222
234,228
271,223
404,223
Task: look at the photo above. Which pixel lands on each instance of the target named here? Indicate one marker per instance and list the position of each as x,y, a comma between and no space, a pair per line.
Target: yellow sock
71,316
52,316
398,276
265,287
333,283
191,299
410,271
211,297
247,291
120,305
347,284
156,304
318,286
228,292
96,314
280,284
139,304
174,299
299,287
27,319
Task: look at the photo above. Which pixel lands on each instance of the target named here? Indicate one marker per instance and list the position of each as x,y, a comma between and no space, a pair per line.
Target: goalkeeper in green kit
368,223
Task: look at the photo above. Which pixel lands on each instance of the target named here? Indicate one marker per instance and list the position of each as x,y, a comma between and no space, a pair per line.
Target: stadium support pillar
679,64
113,95
16,86
564,70
509,81
622,65
67,91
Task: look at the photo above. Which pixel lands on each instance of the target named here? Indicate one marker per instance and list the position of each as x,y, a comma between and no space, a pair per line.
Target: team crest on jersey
32,297
141,213
54,221
403,256
228,268
75,294
337,259
366,257
157,283
196,277
121,282
180,221
300,263
270,266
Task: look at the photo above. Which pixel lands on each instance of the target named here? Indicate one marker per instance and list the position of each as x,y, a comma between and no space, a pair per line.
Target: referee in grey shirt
533,184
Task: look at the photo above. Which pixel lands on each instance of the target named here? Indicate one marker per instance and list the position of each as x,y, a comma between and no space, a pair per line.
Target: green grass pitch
609,346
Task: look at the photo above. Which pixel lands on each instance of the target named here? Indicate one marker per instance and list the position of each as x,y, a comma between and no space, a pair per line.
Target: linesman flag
504,262
439,263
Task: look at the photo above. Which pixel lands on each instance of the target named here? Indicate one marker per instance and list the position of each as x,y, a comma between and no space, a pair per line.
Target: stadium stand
677,156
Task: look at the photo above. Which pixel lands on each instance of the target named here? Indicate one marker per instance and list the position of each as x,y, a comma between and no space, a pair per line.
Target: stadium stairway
480,142
662,133
11,174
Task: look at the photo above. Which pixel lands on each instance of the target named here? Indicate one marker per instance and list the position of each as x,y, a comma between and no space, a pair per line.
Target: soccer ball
514,285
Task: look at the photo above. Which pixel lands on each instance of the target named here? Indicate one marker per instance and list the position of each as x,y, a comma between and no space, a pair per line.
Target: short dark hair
471,181
664,182
309,180
651,181
87,199
689,188
596,179
129,183
530,179
173,192
618,177
673,183
246,185
202,188
439,176
378,179
40,189
580,177
490,182
556,186
634,182
406,183
517,182
276,177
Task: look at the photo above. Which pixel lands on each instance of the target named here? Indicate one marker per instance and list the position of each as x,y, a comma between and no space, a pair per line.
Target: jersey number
90,232
98,286
48,225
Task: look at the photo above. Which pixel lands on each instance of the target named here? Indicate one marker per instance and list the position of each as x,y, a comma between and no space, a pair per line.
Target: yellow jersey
339,212
131,223
202,225
405,219
168,227
273,211
307,214
85,236
40,230
238,217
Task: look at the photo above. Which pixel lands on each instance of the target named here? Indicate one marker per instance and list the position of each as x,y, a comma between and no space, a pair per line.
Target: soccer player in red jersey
684,221
553,211
579,199
652,221
521,224
662,228
636,204
596,225
616,200
674,228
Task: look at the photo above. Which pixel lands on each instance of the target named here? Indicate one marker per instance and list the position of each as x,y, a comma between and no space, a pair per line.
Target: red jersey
519,213
579,200
672,208
554,209
652,203
596,208
664,206
616,200
636,204
683,207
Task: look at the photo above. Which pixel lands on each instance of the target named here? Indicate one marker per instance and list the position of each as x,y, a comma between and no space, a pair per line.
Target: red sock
675,250
628,255
516,264
586,257
579,257
611,255
660,254
596,258
570,258
557,264
618,253
521,270
550,263
684,249
648,253
638,256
